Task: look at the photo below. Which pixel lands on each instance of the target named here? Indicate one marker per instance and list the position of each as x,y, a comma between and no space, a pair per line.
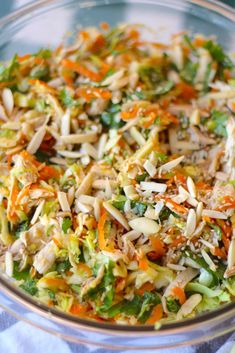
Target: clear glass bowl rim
225,312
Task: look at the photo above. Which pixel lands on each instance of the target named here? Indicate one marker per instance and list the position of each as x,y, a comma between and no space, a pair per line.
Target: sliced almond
80,138
214,214
195,117
144,225
189,306
9,263
170,165
62,197
36,141
114,212
208,260
191,223
8,100
191,187
70,154
152,186
37,212
85,186
150,168
199,211
65,124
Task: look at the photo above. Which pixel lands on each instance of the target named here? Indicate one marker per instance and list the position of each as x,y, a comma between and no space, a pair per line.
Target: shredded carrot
23,58
58,283
132,113
84,268
93,92
104,26
180,294
101,232
146,287
158,247
12,201
176,206
57,243
78,309
147,122
44,85
143,263
203,186
83,70
199,42
24,192
219,253
187,92
98,44
179,240
228,203
156,315
120,285
48,172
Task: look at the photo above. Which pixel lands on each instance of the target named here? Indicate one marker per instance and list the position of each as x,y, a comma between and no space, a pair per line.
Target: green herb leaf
111,118
138,208
7,73
66,98
150,75
189,72
66,224
63,266
30,286
164,87
217,123
218,54
149,302
141,177
19,275
40,72
217,229
21,227
172,304
119,202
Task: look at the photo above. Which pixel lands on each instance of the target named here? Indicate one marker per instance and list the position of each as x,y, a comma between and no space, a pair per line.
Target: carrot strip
176,206
146,287
89,93
82,70
84,268
56,283
77,309
143,263
158,247
156,315
180,294
24,192
12,201
187,92
101,223
48,172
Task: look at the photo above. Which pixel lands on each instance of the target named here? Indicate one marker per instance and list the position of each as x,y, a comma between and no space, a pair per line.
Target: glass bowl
47,23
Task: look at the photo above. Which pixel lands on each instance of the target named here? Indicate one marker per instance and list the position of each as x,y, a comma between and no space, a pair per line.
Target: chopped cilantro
66,224
66,98
111,118
172,304
30,286
189,72
21,227
63,266
218,54
138,208
217,123
19,275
